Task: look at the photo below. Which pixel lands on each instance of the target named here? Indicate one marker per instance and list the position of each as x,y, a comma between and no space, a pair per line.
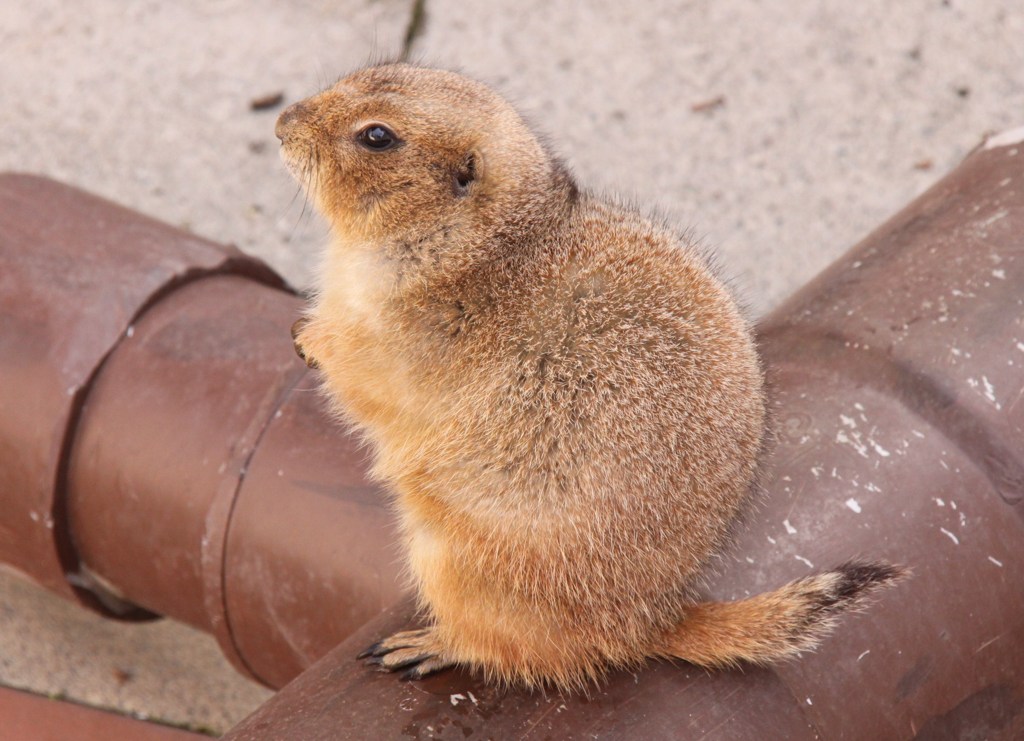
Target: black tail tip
860,577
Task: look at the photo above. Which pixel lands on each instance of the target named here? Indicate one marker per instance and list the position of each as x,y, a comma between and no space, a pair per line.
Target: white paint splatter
939,502
771,539
804,560
1005,138
990,392
863,654
749,559
809,701
997,216
1000,274
457,698
996,561
130,332
853,441
853,504
952,537
848,421
879,449
473,697
789,528
917,434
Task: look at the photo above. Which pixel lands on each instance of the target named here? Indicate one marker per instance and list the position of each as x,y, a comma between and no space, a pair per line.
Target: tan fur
565,401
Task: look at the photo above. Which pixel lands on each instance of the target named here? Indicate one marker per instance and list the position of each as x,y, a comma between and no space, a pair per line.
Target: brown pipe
898,379
164,439
74,271
311,553
162,446
287,550
28,717
203,447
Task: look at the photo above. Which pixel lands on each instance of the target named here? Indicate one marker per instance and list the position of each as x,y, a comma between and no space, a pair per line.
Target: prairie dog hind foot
415,653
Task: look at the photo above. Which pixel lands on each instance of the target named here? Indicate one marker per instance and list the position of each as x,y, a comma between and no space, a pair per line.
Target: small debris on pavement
270,100
708,105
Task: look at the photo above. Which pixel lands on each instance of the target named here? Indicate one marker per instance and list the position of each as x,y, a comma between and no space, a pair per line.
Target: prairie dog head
402,152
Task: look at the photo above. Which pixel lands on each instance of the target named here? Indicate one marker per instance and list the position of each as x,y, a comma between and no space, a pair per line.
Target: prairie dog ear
468,172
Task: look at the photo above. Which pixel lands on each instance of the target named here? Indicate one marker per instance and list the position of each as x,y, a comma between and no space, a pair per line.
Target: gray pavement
161,669
779,132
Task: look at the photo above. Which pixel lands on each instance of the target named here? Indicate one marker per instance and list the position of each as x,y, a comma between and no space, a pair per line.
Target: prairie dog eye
377,137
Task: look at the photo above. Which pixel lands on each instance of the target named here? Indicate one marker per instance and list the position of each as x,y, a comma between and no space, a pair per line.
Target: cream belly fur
563,398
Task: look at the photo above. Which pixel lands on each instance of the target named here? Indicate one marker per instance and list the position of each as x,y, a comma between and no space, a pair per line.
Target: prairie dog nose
289,116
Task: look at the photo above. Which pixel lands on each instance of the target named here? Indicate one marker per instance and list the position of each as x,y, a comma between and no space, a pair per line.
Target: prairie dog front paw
297,328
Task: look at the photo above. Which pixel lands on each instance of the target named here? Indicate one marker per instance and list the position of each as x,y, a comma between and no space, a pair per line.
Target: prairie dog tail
776,625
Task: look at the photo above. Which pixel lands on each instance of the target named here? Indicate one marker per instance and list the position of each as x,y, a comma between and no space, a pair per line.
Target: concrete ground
781,133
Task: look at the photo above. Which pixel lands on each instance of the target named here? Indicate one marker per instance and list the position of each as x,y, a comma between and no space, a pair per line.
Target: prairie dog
564,400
